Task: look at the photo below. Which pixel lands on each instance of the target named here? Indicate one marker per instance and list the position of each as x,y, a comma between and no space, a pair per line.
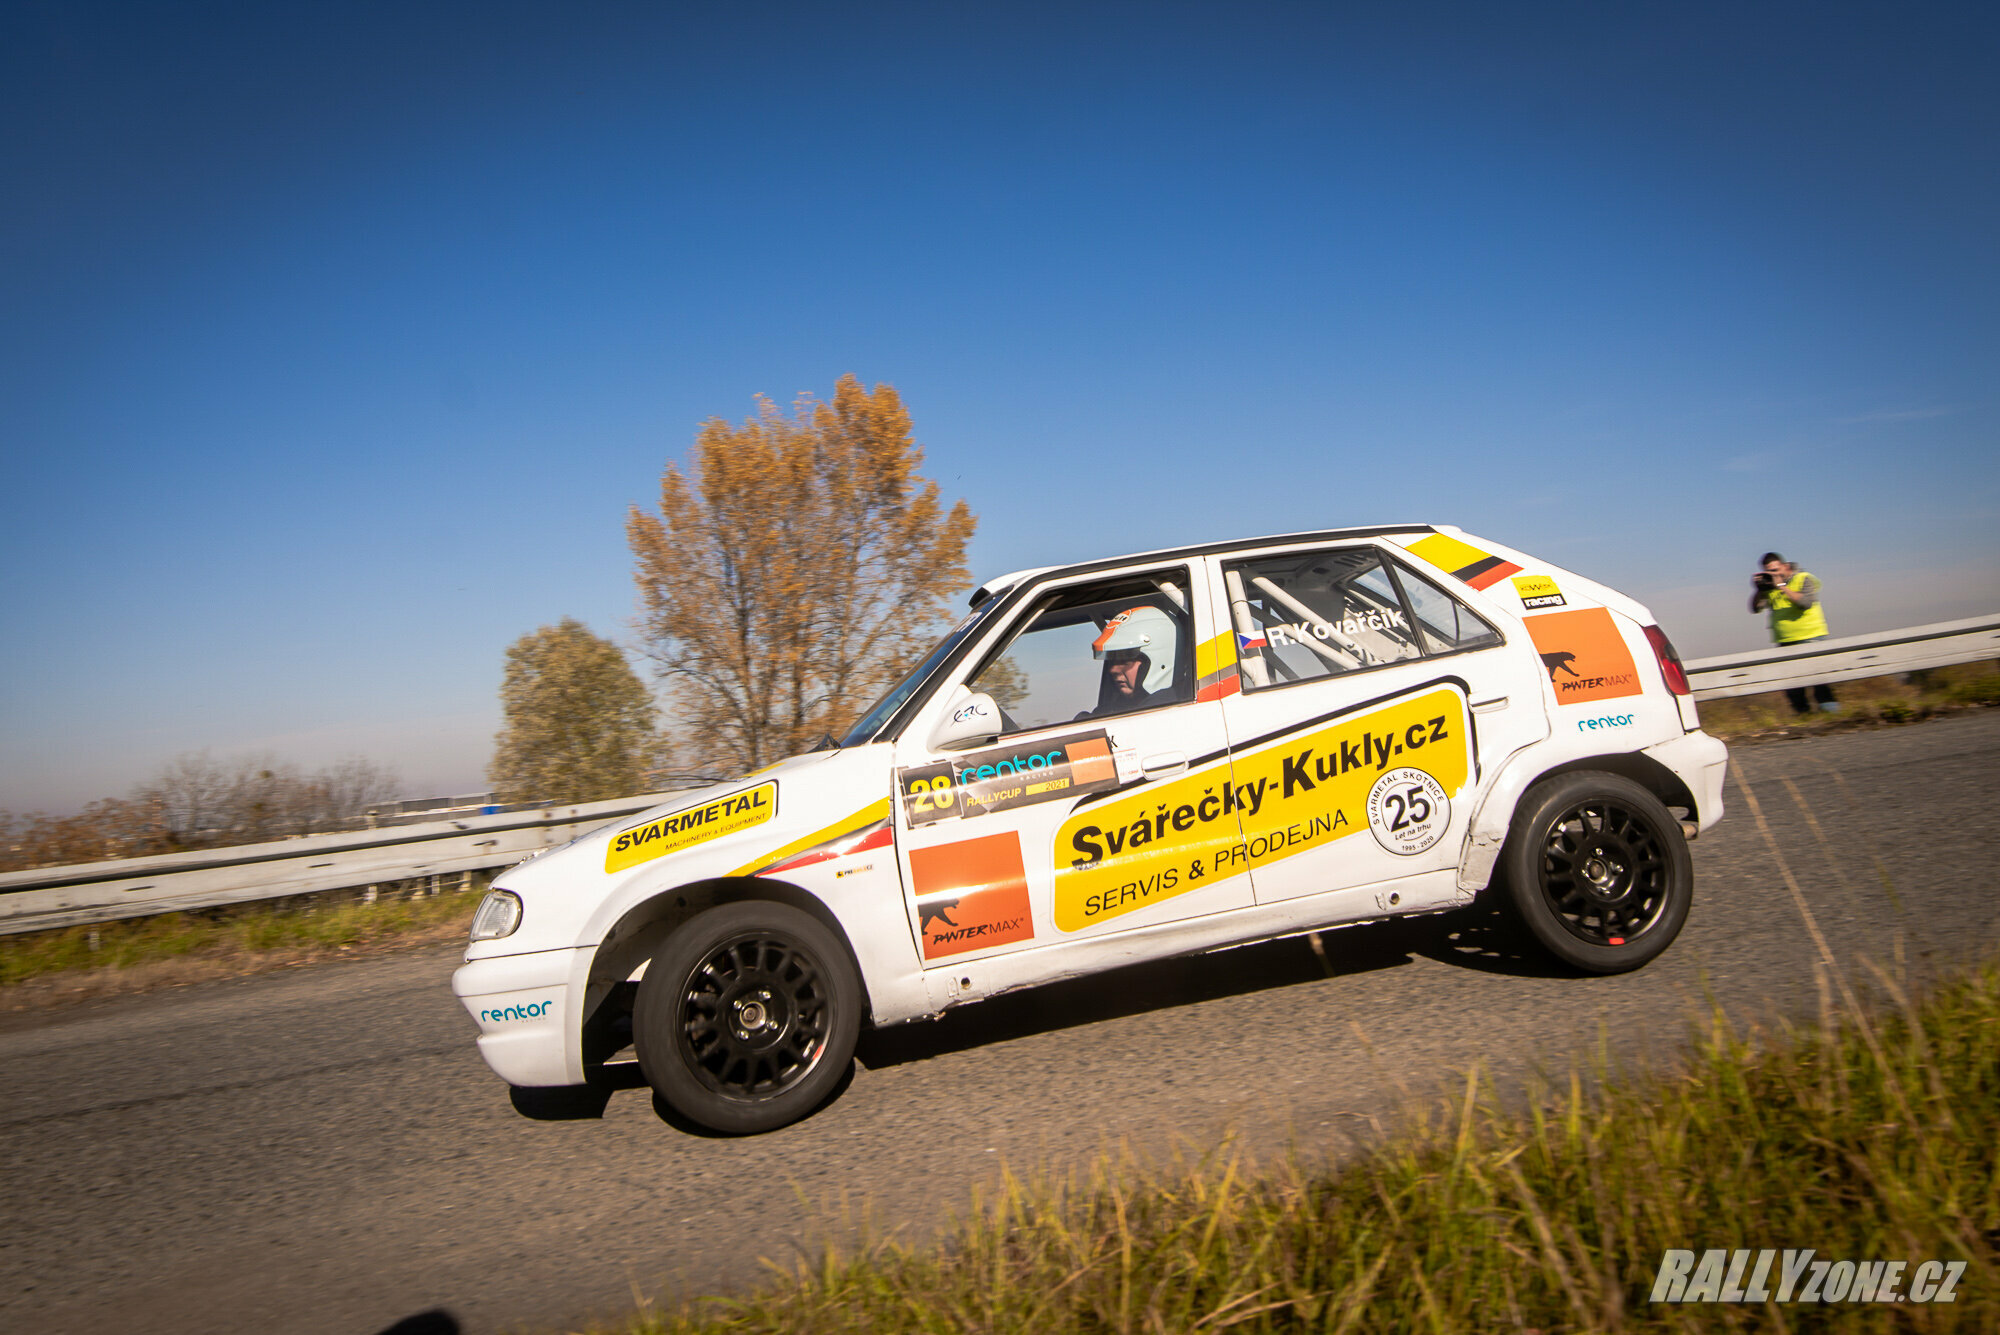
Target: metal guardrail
47,897
1846,659
102,891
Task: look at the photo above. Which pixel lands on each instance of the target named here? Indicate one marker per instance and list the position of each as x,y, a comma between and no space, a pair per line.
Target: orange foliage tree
796,568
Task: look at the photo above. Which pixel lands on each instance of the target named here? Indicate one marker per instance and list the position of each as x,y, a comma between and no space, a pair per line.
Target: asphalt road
321,1150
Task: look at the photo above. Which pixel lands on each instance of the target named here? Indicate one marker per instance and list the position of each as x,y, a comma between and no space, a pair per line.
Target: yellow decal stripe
868,815
1215,655
1446,553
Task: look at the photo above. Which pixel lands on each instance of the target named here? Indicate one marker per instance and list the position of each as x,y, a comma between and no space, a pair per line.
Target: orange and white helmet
1146,631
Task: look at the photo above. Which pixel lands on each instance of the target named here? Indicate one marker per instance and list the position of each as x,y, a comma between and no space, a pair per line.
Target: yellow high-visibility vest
1791,623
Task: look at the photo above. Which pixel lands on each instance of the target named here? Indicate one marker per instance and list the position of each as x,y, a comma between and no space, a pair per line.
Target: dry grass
137,954
1870,702
1869,1135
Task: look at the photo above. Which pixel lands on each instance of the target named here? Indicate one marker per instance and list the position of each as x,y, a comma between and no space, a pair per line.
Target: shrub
1978,691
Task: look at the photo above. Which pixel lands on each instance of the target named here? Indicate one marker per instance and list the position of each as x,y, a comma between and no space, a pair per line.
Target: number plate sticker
1002,777
1408,811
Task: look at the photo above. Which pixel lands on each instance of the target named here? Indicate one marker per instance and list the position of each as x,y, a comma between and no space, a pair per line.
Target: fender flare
1487,833
637,934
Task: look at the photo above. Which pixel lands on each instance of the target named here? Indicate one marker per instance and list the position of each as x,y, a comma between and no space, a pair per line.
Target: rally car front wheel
747,1017
1597,870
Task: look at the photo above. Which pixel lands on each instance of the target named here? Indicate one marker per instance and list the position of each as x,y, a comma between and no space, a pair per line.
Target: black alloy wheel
1604,872
753,1016
1598,871
747,1016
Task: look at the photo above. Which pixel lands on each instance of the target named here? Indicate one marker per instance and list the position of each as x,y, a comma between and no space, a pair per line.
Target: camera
1765,579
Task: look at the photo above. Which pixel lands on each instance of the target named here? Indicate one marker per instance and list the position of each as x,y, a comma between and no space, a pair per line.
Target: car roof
999,584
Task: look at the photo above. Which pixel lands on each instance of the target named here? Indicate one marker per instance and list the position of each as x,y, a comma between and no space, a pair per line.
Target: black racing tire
1597,870
747,1017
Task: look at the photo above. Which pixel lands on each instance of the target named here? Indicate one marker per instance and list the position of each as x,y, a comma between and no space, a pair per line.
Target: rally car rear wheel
747,1017
1597,870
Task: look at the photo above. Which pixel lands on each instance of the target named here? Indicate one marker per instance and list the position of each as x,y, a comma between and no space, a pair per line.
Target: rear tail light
1670,662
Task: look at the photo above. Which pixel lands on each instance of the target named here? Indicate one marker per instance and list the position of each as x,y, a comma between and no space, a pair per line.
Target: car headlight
499,914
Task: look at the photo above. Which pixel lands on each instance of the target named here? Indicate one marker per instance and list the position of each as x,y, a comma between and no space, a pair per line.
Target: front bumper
523,1005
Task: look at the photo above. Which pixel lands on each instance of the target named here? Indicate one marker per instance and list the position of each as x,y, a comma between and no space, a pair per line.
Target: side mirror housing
971,720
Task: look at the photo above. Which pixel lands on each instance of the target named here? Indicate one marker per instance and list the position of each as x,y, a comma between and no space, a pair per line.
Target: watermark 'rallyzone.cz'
1734,1277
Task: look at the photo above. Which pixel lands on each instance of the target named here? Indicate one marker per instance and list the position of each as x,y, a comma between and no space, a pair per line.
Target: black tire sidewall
1520,864
655,1016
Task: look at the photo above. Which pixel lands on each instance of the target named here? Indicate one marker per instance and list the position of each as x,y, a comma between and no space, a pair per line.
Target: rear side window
1305,616
1446,623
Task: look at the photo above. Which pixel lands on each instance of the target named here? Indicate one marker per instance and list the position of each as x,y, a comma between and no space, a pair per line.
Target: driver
1131,679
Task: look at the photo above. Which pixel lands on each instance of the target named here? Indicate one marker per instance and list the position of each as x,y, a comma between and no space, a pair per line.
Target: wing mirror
972,719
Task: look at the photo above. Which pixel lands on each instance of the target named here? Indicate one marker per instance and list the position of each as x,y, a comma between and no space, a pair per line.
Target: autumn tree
796,568
579,721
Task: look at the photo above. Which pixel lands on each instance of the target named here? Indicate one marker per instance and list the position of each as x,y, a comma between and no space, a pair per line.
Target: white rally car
1120,761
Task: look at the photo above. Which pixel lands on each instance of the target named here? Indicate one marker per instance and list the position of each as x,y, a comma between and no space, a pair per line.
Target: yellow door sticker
695,825
1291,795
1537,591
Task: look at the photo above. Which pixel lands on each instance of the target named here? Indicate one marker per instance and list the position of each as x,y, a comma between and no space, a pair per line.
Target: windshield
872,722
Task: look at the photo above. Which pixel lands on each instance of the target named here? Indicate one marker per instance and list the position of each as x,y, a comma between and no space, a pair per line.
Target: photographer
1791,596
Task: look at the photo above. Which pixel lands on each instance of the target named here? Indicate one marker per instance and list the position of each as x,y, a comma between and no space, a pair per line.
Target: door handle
1487,706
1167,762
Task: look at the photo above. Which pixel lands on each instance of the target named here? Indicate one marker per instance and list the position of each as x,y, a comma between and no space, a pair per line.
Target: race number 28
929,793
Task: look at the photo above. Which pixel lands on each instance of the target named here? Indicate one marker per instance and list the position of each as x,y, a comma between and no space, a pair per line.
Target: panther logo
1561,660
938,910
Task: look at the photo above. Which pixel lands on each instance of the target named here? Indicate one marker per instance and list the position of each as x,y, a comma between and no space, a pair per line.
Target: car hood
754,825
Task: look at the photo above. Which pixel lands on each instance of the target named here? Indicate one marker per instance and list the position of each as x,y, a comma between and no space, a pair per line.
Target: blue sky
335,340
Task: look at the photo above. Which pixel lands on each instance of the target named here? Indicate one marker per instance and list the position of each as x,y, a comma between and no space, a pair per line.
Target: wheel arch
1637,766
1496,815
639,931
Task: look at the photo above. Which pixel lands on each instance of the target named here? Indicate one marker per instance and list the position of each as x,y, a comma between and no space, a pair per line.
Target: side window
1304,616
1095,650
1448,625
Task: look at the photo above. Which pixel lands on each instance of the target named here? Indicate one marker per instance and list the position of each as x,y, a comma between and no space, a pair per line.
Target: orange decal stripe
1229,685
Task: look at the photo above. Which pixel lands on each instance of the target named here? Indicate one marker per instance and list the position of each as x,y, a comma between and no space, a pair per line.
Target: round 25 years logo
1407,811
